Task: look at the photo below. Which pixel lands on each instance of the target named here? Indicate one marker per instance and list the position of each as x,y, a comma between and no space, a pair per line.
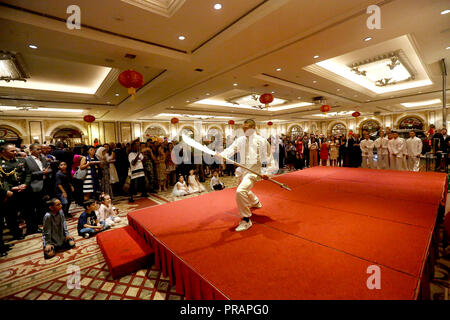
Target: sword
205,149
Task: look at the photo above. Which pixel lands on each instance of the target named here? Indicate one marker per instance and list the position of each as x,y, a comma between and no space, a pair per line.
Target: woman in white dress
107,212
194,184
111,158
180,189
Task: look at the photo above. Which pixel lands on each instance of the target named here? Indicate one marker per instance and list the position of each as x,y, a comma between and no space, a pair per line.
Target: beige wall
110,131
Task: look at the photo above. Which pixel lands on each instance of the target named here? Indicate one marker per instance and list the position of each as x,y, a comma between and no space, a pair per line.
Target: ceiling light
32,46
421,103
207,94
279,69
12,67
12,108
235,84
188,101
448,48
367,39
273,92
181,37
445,12
315,57
109,102
117,94
314,81
217,6
299,98
338,90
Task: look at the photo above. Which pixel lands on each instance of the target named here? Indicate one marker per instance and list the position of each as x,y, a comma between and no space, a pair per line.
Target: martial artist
414,149
382,151
254,150
396,148
366,146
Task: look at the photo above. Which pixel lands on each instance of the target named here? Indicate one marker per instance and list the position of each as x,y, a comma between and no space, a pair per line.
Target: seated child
194,184
88,223
107,213
55,235
216,184
180,189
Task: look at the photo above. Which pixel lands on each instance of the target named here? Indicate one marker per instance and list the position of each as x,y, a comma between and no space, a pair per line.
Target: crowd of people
39,182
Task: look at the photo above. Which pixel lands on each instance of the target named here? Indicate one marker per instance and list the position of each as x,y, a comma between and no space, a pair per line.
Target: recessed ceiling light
315,57
171,107
187,101
314,81
367,39
445,12
273,92
207,94
299,98
32,46
217,6
235,84
109,102
338,90
181,37
448,48
117,94
279,69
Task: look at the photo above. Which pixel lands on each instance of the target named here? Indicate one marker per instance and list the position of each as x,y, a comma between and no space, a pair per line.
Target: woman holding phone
92,165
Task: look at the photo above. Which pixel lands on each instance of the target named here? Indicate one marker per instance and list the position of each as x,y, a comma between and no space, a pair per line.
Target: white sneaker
258,205
243,226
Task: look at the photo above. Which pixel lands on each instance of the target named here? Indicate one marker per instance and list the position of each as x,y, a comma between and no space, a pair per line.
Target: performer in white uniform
414,149
396,148
366,146
382,151
254,150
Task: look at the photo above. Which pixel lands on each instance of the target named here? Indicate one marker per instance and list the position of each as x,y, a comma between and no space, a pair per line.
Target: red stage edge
186,279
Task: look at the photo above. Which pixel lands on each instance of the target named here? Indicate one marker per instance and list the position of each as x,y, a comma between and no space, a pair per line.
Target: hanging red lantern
356,114
88,118
350,132
270,123
231,122
325,108
266,99
174,120
132,80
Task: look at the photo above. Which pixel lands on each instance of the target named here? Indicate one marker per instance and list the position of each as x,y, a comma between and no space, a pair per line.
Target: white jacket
414,147
254,151
382,146
397,147
367,147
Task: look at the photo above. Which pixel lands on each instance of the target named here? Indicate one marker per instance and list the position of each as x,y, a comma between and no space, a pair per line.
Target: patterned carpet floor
26,275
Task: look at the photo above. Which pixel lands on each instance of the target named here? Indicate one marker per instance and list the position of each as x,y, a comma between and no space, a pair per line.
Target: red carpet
124,251
314,242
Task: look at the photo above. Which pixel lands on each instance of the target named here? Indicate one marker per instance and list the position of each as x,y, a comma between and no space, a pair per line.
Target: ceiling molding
110,79
166,8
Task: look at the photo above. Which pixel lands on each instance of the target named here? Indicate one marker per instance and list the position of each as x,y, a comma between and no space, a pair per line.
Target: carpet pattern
26,275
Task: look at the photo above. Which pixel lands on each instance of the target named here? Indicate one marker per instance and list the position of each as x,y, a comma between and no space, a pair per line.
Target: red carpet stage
314,242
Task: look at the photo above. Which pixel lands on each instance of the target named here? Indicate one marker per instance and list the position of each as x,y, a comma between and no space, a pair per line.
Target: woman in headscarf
105,181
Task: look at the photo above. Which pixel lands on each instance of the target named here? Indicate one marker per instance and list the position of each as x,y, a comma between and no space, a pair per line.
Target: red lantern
89,118
174,120
266,99
356,114
270,123
132,80
350,132
231,122
325,108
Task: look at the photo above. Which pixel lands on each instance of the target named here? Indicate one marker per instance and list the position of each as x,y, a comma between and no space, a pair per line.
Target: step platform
125,251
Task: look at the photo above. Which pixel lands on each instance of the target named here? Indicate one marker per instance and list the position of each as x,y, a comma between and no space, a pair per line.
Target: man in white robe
414,149
254,151
366,146
396,148
382,151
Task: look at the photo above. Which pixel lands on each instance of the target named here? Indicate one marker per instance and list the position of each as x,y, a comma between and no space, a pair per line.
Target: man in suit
40,170
440,142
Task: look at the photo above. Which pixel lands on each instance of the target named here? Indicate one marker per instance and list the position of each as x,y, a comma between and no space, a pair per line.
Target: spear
205,149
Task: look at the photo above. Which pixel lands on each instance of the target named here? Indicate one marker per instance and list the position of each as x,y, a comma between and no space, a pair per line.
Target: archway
154,132
339,129
411,123
372,126
8,134
295,132
69,136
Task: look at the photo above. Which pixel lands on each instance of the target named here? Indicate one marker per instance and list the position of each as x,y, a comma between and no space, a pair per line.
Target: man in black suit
440,142
40,170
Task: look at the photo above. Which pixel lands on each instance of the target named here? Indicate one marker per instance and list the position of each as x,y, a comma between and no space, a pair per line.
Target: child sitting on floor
216,184
107,213
180,189
55,235
194,184
88,223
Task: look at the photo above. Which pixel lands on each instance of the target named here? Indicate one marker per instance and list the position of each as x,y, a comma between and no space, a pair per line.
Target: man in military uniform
15,177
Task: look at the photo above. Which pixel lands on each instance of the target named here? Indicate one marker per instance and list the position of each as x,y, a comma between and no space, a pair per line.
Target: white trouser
245,198
413,163
383,161
367,161
397,163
